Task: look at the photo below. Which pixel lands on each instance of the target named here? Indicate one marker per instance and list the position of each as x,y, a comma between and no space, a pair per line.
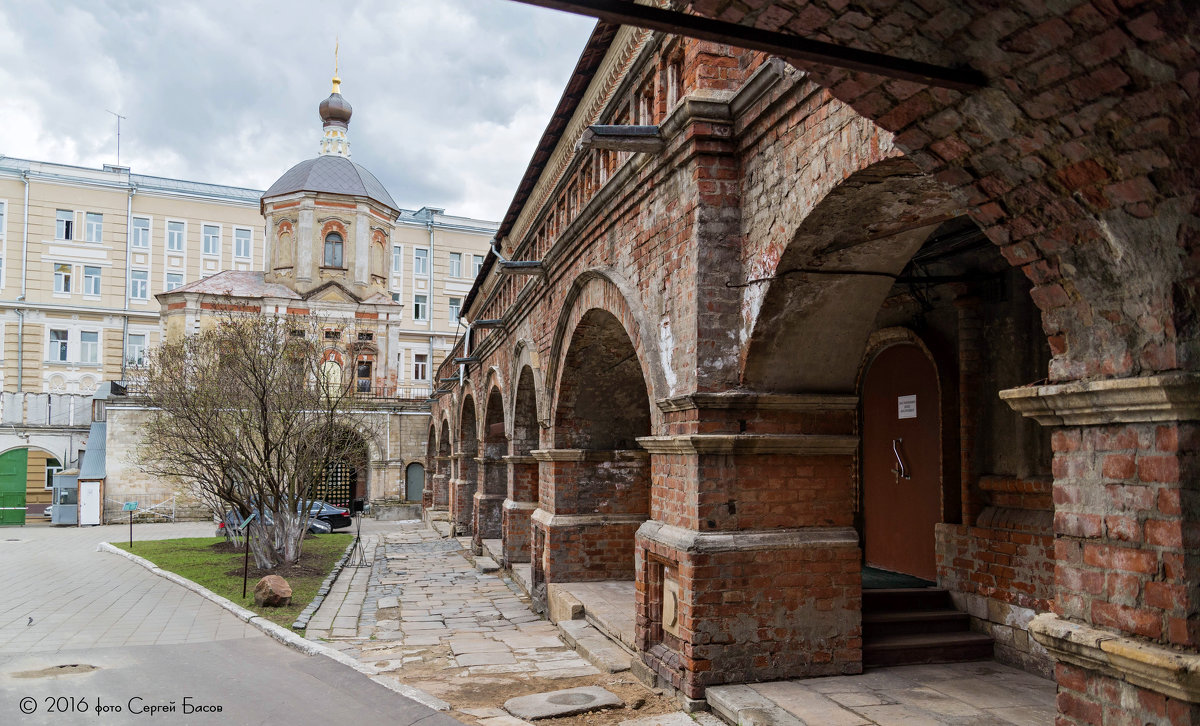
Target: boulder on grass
272,591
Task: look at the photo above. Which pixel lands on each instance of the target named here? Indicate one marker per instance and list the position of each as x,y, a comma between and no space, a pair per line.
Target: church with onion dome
387,285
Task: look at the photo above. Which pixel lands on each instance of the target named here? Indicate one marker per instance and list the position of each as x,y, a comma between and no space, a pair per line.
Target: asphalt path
89,637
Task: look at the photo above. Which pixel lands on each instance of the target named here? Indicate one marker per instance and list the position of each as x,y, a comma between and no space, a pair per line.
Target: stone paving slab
566,702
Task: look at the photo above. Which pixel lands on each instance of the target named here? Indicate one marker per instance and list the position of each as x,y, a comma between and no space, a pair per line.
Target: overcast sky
449,96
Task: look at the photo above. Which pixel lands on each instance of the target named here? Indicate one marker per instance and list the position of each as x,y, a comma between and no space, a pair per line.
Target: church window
333,250
363,376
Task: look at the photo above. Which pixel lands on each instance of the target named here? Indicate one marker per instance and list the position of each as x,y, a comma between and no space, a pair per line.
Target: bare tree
250,414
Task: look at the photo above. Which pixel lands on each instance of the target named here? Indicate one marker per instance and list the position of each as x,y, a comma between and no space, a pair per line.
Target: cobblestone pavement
430,619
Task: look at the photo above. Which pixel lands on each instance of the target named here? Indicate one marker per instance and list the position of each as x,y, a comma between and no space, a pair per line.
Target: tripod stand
358,556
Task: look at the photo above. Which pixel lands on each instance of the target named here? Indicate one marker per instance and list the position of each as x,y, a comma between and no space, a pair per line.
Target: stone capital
517,459
1148,399
803,444
548,519
694,542
1164,670
751,400
588,454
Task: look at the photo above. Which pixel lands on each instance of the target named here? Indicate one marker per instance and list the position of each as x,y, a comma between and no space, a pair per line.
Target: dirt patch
52,671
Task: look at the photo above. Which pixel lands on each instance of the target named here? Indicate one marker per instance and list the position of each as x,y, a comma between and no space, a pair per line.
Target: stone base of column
440,498
486,520
746,606
515,528
461,500
584,547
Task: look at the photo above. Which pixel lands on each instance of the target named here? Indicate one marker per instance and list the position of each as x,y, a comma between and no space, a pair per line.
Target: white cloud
450,96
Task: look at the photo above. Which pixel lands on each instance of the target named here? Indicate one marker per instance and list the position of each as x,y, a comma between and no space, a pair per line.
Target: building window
455,309
58,346
455,264
64,224
212,239
366,337
420,366
91,280
397,258
62,278
89,347
141,233
420,262
478,265
419,311
396,297
241,243
138,285
174,280
363,376
94,227
333,250
53,466
135,350
175,236
333,335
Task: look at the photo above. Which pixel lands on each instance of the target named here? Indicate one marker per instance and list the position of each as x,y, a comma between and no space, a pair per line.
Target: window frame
204,238
135,236
341,251
477,265
420,262
249,240
182,235
167,281
64,228
420,306
97,224
63,348
454,309
62,278
455,265
93,346
139,285
420,365
97,278
140,359
397,259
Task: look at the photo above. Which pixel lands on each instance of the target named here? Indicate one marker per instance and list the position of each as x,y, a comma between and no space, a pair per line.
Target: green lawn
210,561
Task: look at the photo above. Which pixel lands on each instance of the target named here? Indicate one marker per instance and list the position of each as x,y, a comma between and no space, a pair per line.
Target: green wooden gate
14,470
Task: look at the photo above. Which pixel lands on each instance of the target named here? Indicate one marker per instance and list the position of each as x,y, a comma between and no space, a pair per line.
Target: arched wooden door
414,482
902,473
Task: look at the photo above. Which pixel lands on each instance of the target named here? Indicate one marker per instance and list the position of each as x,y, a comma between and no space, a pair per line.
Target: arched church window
333,250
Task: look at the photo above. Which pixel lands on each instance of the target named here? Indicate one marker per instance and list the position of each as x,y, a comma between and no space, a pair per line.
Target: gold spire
337,82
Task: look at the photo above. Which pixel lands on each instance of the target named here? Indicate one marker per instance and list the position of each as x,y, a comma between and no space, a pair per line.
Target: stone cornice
760,401
520,506
1164,397
588,454
1155,667
516,459
691,541
541,516
813,445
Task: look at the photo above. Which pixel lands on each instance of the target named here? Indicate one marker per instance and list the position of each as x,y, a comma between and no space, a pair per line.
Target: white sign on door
906,406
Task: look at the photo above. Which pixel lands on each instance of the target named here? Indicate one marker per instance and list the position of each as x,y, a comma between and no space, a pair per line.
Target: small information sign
129,507
906,406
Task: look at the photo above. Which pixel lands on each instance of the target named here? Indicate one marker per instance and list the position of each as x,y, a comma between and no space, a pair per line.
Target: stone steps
594,646
907,626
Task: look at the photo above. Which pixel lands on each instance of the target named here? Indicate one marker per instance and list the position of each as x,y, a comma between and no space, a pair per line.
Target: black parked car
335,517
315,525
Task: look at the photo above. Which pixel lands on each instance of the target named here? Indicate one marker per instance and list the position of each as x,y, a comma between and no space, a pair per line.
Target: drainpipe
24,283
430,368
128,244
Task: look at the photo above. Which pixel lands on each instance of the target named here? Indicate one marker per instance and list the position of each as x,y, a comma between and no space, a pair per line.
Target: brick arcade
837,323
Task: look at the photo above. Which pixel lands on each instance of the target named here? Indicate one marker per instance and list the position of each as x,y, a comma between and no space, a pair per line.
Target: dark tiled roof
236,283
332,174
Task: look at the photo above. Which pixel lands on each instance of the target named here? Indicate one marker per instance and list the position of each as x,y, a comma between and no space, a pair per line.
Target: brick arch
523,358
334,225
1069,158
811,329
607,291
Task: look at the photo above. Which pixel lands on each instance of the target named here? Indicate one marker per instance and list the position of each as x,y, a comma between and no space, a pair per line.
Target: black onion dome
334,175
336,109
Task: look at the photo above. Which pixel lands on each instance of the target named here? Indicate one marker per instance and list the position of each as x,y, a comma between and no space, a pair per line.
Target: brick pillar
1126,625
750,569
462,493
518,507
488,498
591,504
969,366
437,487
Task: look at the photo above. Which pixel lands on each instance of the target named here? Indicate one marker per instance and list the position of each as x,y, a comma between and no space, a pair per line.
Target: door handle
901,471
